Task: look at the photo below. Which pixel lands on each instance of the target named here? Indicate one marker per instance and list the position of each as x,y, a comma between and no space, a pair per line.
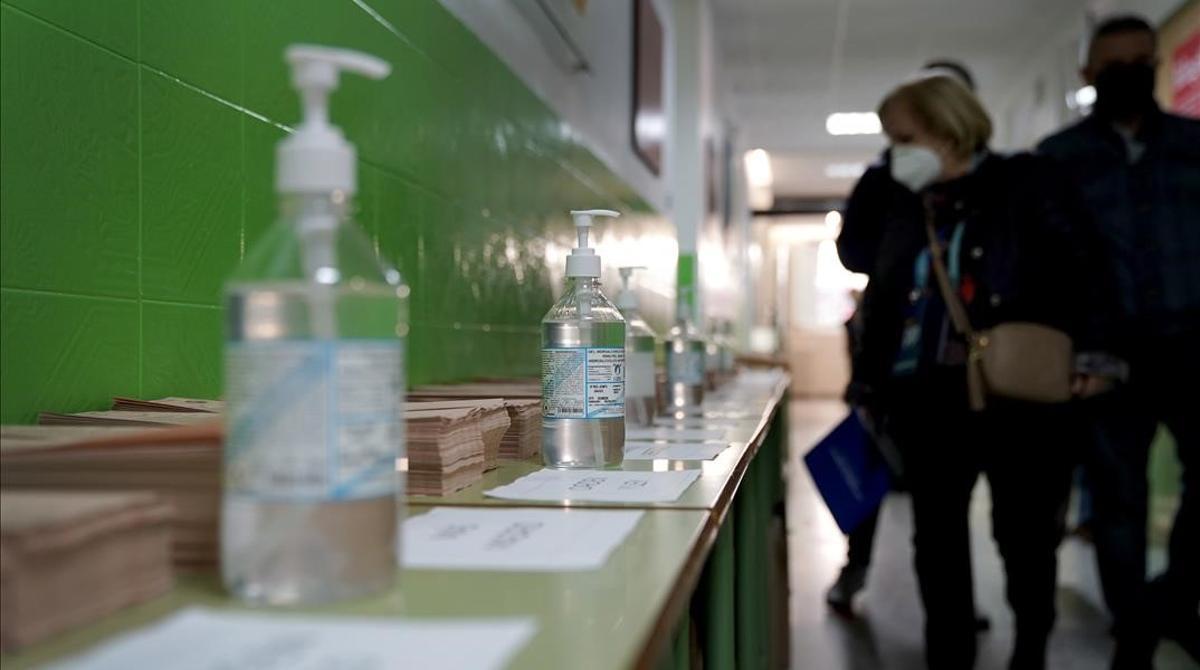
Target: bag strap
976,384
954,305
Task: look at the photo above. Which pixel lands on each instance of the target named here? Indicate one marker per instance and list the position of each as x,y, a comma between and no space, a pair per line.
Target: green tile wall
136,146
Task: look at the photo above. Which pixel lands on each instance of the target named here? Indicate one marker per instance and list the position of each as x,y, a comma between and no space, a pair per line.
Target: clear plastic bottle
314,379
685,354
641,342
728,350
583,366
712,358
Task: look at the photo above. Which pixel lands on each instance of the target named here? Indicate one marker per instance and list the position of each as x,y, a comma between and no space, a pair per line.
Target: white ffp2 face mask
915,166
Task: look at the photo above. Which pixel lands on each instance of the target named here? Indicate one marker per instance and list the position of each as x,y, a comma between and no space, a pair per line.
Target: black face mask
1124,90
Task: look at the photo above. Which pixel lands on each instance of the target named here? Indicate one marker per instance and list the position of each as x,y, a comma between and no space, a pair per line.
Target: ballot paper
526,540
598,486
649,451
675,434
218,640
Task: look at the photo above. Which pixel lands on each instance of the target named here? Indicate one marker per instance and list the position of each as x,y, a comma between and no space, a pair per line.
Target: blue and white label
583,383
685,367
314,420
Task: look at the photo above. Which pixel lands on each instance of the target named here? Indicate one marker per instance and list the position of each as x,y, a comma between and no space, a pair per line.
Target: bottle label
639,382
583,383
314,420
685,367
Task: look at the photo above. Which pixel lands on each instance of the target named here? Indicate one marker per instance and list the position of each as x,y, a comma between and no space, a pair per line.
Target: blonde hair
946,109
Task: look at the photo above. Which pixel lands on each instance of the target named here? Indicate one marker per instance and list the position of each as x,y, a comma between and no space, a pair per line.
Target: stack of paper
70,558
168,405
126,418
522,398
445,450
509,388
493,422
524,437
181,464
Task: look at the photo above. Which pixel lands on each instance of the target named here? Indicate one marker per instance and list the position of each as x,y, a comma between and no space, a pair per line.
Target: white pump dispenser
583,365
317,158
583,261
641,397
627,299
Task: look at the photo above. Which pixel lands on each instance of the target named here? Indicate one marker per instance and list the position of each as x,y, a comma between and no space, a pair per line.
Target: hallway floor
887,635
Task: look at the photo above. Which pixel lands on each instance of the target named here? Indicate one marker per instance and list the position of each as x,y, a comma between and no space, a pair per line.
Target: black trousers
1124,422
1026,452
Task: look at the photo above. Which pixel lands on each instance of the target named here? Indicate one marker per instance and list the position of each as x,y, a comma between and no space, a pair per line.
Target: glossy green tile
113,24
437,33
423,347
64,353
398,225
181,350
191,192
260,204
464,175
406,141
68,153
198,41
272,26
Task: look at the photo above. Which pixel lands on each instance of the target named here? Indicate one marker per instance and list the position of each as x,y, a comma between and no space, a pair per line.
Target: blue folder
850,473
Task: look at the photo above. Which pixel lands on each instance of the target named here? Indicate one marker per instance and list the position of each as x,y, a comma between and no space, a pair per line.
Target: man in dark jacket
1139,171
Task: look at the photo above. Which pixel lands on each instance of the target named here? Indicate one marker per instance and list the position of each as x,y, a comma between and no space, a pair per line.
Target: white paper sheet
675,435
202,639
598,486
649,451
694,422
528,540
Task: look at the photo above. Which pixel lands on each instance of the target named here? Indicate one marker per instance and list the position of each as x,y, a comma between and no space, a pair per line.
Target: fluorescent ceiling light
845,170
758,168
853,123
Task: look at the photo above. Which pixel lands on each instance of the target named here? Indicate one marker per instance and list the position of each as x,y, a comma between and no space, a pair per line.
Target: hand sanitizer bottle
640,345
728,351
314,376
712,358
686,351
583,366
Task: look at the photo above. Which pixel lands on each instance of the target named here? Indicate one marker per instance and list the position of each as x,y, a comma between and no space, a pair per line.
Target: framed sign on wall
648,121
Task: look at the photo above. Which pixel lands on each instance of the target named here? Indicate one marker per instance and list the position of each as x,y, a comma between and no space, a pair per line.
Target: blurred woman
1013,244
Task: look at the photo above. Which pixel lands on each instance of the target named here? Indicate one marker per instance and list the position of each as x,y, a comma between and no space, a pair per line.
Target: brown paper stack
507,389
445,450
181,464
522,399
168,405
125,418
493,422
69,558
524,437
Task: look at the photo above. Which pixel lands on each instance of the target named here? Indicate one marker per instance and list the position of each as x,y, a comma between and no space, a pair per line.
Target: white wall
596,104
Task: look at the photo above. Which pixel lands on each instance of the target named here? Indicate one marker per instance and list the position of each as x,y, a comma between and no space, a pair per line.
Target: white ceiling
786,64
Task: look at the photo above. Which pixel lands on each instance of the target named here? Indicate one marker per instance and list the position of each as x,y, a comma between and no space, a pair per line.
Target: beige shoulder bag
1018,360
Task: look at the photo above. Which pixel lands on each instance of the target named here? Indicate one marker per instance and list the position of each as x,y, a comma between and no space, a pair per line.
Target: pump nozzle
317,158
627,272
627,299
583,261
